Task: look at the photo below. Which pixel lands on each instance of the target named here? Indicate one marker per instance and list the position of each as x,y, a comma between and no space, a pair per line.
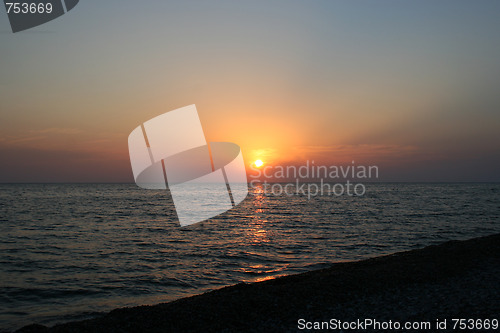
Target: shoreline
456,279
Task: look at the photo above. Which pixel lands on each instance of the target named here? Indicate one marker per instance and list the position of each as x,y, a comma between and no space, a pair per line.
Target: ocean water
71,251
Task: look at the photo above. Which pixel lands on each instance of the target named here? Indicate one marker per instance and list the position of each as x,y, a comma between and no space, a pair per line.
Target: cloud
36,136
55,130
365,150
24,164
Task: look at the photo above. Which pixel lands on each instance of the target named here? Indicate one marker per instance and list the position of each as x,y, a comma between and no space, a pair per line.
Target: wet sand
457,279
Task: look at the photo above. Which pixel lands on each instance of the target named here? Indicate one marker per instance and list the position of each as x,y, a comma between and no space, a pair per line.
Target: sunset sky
413,87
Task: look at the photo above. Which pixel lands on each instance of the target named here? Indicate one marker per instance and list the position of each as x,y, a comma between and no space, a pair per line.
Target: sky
410,86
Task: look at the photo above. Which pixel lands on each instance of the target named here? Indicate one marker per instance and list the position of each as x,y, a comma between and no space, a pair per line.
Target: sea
74,251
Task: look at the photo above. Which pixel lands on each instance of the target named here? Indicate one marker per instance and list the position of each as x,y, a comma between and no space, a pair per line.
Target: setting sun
258,163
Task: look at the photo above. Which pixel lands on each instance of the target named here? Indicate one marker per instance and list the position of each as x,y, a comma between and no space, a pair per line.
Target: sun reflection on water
257,230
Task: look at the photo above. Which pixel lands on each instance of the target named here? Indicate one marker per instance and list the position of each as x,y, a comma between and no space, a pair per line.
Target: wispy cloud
58,130
38,135
374,148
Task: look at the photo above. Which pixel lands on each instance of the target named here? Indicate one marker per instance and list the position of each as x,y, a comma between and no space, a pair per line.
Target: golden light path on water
258,233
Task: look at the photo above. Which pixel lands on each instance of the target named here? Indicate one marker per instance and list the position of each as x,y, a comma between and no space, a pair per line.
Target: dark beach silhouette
456,279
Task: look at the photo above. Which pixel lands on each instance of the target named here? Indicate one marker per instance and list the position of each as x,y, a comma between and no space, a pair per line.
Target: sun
258,163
